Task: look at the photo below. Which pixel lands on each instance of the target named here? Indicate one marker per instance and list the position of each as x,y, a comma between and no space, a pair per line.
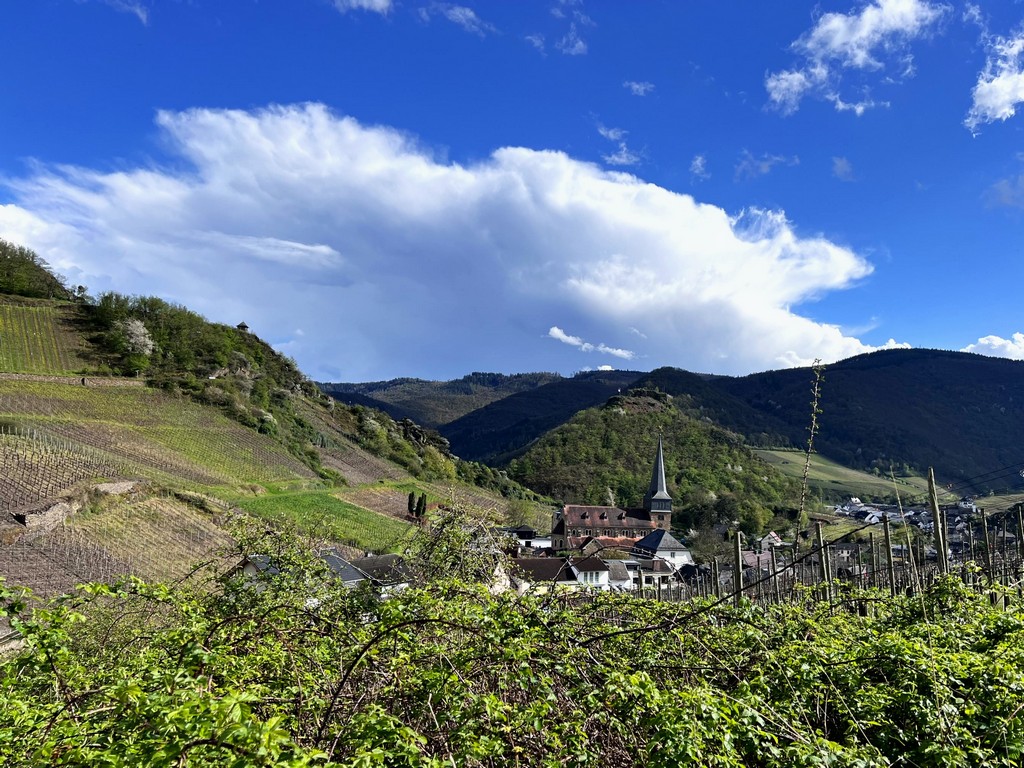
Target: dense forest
24,273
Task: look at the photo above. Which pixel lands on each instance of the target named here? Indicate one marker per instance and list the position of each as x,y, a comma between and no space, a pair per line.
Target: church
574,525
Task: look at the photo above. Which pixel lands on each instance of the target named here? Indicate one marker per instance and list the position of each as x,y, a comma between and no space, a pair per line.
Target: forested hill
433,403
501,430
906,408
605,454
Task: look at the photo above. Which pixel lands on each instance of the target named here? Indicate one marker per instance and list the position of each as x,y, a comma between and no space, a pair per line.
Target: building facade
575,524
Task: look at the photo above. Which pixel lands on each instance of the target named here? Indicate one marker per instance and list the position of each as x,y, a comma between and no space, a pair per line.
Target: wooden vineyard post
716,578
938,523
988,543
914,561
776,595
823,561
737,586
1020,532
1004,563
888,555
874,559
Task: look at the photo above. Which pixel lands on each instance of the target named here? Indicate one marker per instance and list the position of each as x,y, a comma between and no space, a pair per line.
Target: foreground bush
294,671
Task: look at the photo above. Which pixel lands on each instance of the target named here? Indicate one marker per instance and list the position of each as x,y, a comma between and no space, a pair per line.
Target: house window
587,532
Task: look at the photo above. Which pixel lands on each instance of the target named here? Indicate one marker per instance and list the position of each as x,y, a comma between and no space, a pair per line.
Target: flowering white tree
137,338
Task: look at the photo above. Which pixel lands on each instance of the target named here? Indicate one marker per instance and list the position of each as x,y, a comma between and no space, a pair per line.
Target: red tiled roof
621,543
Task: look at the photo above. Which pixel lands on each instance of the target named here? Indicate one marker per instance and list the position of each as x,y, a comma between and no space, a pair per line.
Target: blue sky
387,188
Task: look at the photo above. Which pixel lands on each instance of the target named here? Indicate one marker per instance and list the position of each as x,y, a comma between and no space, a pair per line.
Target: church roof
658,488
577,515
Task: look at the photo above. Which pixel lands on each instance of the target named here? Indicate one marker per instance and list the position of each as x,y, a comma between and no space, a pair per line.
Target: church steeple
657,499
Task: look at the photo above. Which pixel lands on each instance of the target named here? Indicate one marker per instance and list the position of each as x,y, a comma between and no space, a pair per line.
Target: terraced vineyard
39,337
35,466
79,433
157,538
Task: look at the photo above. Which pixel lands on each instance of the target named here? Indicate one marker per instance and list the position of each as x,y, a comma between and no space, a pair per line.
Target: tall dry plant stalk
819,377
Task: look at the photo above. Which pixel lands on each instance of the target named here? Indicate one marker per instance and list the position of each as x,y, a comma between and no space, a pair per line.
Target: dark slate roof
538,569
617,571
262,563
592,563
658,541
384,569
341,567
753,559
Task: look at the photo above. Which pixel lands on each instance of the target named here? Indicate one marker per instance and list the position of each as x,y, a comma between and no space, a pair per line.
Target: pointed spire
658,491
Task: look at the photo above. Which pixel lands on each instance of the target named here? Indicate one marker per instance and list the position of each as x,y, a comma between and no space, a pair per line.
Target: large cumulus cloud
363,254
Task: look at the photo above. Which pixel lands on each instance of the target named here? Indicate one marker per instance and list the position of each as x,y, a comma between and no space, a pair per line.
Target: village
633,551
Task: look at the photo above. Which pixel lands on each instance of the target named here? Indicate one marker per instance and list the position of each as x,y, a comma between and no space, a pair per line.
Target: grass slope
326,516
835,482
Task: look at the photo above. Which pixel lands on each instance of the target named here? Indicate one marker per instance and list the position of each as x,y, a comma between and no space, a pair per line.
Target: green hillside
206,421
712,476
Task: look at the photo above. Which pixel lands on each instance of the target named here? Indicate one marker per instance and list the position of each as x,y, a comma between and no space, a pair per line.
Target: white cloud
842,169
396,263
537,41
1008,192
558,334
699,167
136,9
612,134
1000,86
461,16
584,346
750,167
376,6
572,44
995,346
860,40
623,155
857,107
638,88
